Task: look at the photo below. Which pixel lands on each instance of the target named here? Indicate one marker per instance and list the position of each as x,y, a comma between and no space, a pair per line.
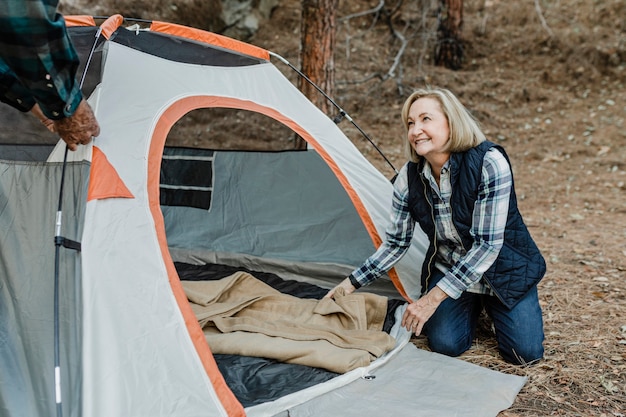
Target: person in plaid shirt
459,188
38,67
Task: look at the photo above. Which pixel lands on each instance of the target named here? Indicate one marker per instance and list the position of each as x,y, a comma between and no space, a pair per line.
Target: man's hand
79,128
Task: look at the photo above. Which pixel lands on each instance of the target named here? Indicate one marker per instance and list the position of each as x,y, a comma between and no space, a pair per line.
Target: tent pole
342,113
59,241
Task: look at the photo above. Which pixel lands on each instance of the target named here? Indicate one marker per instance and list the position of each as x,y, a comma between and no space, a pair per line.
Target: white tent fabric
406,382
420,384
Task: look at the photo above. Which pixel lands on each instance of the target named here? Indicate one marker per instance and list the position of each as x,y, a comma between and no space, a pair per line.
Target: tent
130,344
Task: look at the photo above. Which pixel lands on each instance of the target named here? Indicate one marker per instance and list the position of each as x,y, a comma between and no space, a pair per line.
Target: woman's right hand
347,286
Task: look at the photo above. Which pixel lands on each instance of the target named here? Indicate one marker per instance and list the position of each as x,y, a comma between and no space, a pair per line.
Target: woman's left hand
417,313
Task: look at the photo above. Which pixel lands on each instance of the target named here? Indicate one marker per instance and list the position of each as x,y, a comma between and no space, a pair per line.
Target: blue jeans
519,331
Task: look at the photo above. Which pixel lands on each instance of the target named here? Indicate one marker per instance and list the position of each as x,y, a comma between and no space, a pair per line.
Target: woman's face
428,130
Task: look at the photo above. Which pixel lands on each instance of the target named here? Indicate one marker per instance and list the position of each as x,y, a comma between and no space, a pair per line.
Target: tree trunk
317,38
449,49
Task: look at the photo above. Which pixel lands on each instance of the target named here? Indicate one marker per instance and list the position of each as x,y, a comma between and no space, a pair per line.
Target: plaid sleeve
35,45
12,91
489,222
397,237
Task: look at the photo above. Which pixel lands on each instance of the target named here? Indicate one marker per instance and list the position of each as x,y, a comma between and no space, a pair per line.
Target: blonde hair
465,132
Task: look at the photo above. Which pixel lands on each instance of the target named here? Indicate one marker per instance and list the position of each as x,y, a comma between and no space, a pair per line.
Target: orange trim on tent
79,20
211,38
191,103
228,400
111,24
104,181
398,284
162,128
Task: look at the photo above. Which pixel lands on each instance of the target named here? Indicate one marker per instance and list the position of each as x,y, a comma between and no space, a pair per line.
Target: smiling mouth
419,141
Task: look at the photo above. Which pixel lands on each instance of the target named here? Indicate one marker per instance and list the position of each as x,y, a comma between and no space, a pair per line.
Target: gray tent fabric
28,205
259,209
325,275
25,152
418,383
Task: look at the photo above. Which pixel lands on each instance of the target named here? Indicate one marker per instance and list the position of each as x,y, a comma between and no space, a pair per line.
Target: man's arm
12,92
35,45
37,51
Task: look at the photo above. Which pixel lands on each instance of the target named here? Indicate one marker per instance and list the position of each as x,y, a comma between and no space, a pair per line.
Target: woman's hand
417,313
347,286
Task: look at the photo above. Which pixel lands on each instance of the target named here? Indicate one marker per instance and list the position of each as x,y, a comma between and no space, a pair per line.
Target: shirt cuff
447,287
63,110
354,282
18,97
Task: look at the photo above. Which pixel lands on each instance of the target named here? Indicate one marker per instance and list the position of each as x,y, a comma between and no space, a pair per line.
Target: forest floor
546,80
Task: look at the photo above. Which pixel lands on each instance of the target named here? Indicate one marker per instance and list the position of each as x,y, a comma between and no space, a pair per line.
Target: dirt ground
546,80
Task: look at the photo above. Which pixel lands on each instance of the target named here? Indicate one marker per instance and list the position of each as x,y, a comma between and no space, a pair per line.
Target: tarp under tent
152,220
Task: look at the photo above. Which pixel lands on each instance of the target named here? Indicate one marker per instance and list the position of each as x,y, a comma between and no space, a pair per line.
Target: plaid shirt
463,269
37,60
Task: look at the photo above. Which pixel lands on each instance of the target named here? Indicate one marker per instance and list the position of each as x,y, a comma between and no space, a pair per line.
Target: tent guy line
342,113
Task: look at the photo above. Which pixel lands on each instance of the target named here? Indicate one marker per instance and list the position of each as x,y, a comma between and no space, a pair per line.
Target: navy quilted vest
519,266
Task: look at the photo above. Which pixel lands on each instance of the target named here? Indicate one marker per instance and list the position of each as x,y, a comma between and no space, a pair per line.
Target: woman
459,188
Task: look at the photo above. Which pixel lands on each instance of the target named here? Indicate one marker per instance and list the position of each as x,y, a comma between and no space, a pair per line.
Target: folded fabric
242,315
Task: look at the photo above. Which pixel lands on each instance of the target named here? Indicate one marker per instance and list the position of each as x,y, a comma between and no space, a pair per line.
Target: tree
317,38
449,48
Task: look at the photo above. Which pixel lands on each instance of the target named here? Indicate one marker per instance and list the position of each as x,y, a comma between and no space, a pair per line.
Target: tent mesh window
187,169
224,129
187,177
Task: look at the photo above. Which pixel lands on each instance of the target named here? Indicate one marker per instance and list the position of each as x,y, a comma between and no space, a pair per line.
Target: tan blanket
244,316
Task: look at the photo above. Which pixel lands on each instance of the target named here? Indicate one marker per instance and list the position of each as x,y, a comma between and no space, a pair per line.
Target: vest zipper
466,249
430,261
